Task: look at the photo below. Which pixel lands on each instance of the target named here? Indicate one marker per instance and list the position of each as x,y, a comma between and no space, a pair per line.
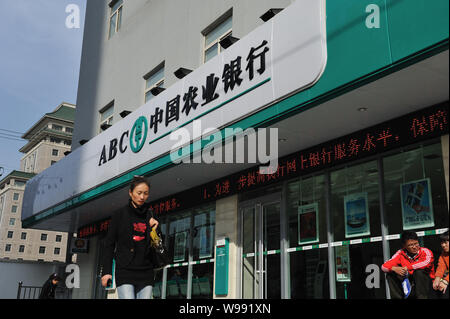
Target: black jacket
118,243
48,289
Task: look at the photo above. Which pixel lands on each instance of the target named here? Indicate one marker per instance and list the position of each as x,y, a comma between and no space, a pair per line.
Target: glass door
261,262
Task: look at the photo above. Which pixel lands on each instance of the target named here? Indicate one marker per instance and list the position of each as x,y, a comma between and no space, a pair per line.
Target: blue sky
39,67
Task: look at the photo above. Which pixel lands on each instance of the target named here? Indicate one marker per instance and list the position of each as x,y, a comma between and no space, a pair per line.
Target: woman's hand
153,223
105,279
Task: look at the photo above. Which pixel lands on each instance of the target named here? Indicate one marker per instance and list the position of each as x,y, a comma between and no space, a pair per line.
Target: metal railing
28,292
33,292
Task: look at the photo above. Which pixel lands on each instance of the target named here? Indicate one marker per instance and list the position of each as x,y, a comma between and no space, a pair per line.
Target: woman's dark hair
444,237
408,235
138,180
55,277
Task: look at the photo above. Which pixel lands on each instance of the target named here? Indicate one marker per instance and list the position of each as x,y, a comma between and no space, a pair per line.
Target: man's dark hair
138,180
408,235
444,237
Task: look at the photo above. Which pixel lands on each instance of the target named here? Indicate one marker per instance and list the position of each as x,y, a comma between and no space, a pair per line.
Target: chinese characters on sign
231,78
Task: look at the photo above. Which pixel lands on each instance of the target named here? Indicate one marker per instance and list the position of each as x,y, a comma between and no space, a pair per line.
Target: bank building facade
357,92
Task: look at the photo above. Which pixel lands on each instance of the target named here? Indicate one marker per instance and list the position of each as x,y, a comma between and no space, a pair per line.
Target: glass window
55,152
202,281
13,209
16,196
8,247
179,230
43,237
69,129
155,79
415,192
176,287
57,127
212,39
19,183
23,236
306,208
107,116
12,221
115,19
355,206
42,250
10,234
21,248
189,237
58,238
57,251
203,233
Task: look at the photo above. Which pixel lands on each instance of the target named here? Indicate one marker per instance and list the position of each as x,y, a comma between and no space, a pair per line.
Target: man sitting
412,262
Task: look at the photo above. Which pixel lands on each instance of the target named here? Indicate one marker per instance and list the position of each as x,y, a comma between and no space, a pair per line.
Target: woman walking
128,242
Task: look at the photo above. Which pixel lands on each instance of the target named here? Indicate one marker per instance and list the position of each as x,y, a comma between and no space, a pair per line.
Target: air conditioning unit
79,245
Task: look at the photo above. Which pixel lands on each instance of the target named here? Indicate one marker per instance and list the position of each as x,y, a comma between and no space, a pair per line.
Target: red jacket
423,260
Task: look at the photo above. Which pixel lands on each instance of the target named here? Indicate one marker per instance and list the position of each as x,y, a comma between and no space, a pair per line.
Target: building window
106,115
58,238
13,209
42,250
12,222
55,152
55,140
19,183
21,248
16,196
8,247
23,236
10,234
43,237
153,79
67,142
115,17
213,37
52,162
69,130
177,229
57,251
57,127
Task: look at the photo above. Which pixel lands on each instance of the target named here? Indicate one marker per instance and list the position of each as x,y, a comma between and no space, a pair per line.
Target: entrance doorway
260,242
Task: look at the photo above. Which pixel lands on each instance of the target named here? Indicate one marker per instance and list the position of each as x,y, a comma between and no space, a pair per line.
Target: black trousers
420,285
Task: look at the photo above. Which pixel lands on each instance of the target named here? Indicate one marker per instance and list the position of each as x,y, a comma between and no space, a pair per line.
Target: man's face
444,246
412,246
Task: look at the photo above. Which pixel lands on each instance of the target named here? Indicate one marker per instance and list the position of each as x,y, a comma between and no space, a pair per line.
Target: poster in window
180,246
356,212
342,254
308,224
206,241
417,205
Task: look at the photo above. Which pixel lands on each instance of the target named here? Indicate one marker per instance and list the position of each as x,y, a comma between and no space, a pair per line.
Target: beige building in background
48,141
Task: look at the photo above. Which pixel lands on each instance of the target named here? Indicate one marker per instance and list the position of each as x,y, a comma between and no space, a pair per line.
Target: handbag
159,252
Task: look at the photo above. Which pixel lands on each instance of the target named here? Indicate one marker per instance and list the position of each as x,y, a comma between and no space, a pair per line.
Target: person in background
412,264
48,290
441,281
128,241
